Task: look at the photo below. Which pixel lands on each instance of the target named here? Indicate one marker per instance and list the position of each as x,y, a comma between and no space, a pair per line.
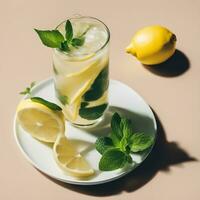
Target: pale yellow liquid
81,76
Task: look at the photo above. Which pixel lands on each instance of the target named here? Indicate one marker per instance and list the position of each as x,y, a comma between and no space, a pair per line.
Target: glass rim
93,52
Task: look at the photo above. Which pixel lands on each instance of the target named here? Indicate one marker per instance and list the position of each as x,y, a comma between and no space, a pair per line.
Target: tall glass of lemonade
81,74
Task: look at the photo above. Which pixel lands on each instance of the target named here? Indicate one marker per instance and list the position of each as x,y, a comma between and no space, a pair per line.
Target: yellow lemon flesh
152,45
41,122
69,158
80,82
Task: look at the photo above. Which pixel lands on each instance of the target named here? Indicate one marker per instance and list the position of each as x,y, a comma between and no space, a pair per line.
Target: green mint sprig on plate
50,105
28,89
55,39
117,147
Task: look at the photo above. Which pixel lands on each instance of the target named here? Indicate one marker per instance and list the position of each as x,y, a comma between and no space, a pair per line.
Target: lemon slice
41,122
69,159
71,111
76,84
86,57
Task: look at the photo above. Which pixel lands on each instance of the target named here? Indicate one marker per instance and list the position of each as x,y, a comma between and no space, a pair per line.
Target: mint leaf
63,98
126,129
112,159
121,131
140,142
99,86
32,84
76,42
28,89
48,104
129,158
64,46
103,144
86,30
24,92
79,40
123,144
69,31
115,139
51,39
92,113
125,126
115,125
84,104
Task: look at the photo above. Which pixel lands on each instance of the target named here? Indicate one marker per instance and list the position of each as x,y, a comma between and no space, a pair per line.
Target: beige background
173,91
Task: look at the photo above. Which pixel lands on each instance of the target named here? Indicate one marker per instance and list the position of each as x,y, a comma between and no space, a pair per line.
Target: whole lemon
152,45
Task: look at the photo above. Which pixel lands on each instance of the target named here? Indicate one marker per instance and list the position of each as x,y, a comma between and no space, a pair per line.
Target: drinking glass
81,75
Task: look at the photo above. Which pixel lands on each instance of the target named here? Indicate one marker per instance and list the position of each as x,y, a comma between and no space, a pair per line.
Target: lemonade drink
81,75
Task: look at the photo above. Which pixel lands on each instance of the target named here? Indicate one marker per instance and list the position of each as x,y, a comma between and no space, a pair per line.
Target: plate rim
45,81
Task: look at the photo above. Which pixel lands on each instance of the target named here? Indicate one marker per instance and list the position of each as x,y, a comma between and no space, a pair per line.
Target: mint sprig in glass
80,65
55,39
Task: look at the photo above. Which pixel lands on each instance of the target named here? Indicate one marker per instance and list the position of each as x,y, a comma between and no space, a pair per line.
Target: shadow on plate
174,66
140,122
163,155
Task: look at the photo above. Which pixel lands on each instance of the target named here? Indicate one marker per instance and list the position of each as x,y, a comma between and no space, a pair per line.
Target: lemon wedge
69,159
41,122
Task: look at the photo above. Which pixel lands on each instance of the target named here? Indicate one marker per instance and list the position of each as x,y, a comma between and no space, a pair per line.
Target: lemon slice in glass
74,85
40,121
69,159
71,110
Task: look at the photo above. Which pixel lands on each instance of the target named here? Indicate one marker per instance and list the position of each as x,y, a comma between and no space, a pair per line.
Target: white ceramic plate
122,99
